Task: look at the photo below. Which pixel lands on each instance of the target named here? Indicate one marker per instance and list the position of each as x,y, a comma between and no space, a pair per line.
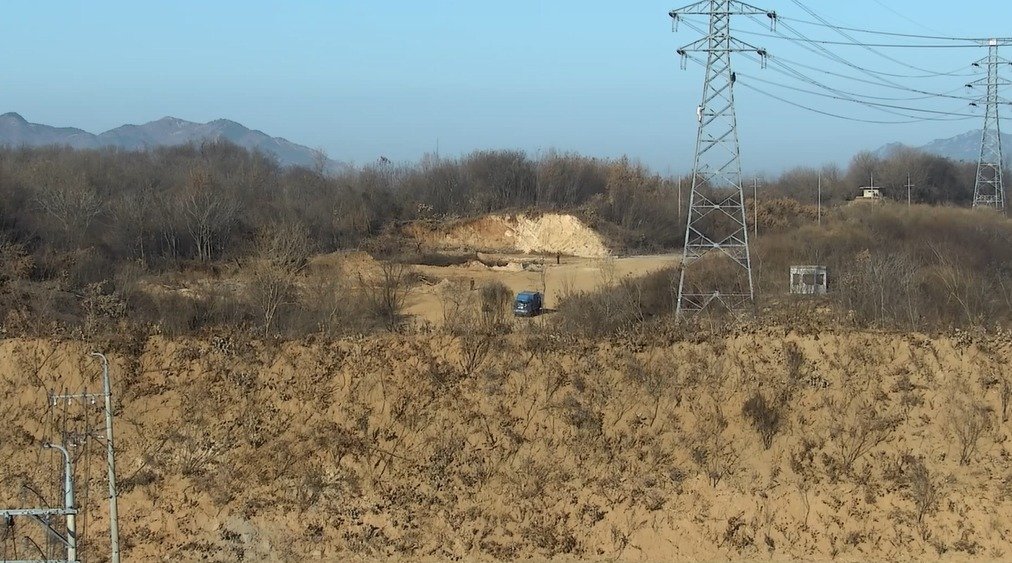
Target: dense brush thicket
890,266
909,267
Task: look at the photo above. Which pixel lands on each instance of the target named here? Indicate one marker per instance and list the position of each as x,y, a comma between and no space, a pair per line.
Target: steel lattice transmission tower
716,222
989,189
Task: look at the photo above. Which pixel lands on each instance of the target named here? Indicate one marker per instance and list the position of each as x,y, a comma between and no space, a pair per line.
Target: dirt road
526,272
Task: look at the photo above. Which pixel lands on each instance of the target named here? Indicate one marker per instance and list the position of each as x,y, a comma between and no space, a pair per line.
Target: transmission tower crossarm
732,7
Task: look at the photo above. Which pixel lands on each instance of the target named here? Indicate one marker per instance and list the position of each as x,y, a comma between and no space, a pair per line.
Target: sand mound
549,234
344,264
381,447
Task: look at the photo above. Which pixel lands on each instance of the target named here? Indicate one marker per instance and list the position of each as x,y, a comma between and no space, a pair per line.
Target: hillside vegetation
185,239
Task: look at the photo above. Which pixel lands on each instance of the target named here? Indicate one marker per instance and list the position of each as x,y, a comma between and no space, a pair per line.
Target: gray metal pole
111,461
909,185
820,197
679,198
755,206
68,500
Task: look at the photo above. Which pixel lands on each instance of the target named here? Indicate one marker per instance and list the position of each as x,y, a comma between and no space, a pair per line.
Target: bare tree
72,203
208,212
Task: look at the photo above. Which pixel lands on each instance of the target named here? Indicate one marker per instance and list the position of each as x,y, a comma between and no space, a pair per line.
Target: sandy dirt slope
548,233
386,446
526,273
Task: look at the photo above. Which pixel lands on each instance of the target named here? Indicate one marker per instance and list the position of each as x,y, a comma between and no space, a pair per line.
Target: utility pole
111,458
68,500
43,516
820,198
716,220
679,198
909,186
989,189
755,206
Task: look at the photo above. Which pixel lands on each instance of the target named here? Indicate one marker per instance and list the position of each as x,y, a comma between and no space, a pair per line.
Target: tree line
82,225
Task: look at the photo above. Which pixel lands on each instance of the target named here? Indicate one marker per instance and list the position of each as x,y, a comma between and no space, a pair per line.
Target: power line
878,32
852,38
830,114
787,70
876,78
866,45
911,119
785,65
867,81
875,75
882,77
879,2
958,116
853,42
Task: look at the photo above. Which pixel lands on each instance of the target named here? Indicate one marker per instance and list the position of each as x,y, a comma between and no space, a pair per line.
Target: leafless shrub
387,294
766,417
279,256
619,307
1002,379
968,420
15,261
475,348
101,304
495,307
712,450
768,406
923,488
477,321
659,378
858,427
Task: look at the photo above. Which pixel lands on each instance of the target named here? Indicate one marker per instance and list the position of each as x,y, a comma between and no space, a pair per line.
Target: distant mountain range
965,146
16,131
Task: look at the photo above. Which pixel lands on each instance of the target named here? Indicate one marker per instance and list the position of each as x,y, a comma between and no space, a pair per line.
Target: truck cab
527,304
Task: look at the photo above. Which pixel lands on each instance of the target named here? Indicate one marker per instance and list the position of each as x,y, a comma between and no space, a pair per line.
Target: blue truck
527,304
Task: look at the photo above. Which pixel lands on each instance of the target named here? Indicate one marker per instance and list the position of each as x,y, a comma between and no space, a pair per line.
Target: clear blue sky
362,79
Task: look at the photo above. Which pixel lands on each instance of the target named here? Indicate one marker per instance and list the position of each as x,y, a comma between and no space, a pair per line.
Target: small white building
809,280
870,194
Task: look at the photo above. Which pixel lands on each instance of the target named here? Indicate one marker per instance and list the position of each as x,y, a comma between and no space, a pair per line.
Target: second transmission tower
716,221
989,188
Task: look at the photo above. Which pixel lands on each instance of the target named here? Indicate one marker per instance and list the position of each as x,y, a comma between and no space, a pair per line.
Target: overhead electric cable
910,118
878,32
868,45
785,65
826,113
957,116
869,48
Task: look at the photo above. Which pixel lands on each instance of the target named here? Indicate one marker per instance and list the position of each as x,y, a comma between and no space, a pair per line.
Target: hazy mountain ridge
965,146
15,130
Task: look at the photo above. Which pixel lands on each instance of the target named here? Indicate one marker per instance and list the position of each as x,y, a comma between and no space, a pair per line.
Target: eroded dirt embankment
550,233
399,445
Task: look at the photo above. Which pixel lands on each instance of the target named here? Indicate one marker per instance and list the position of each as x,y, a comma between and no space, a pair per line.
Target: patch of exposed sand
550,233
379,447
